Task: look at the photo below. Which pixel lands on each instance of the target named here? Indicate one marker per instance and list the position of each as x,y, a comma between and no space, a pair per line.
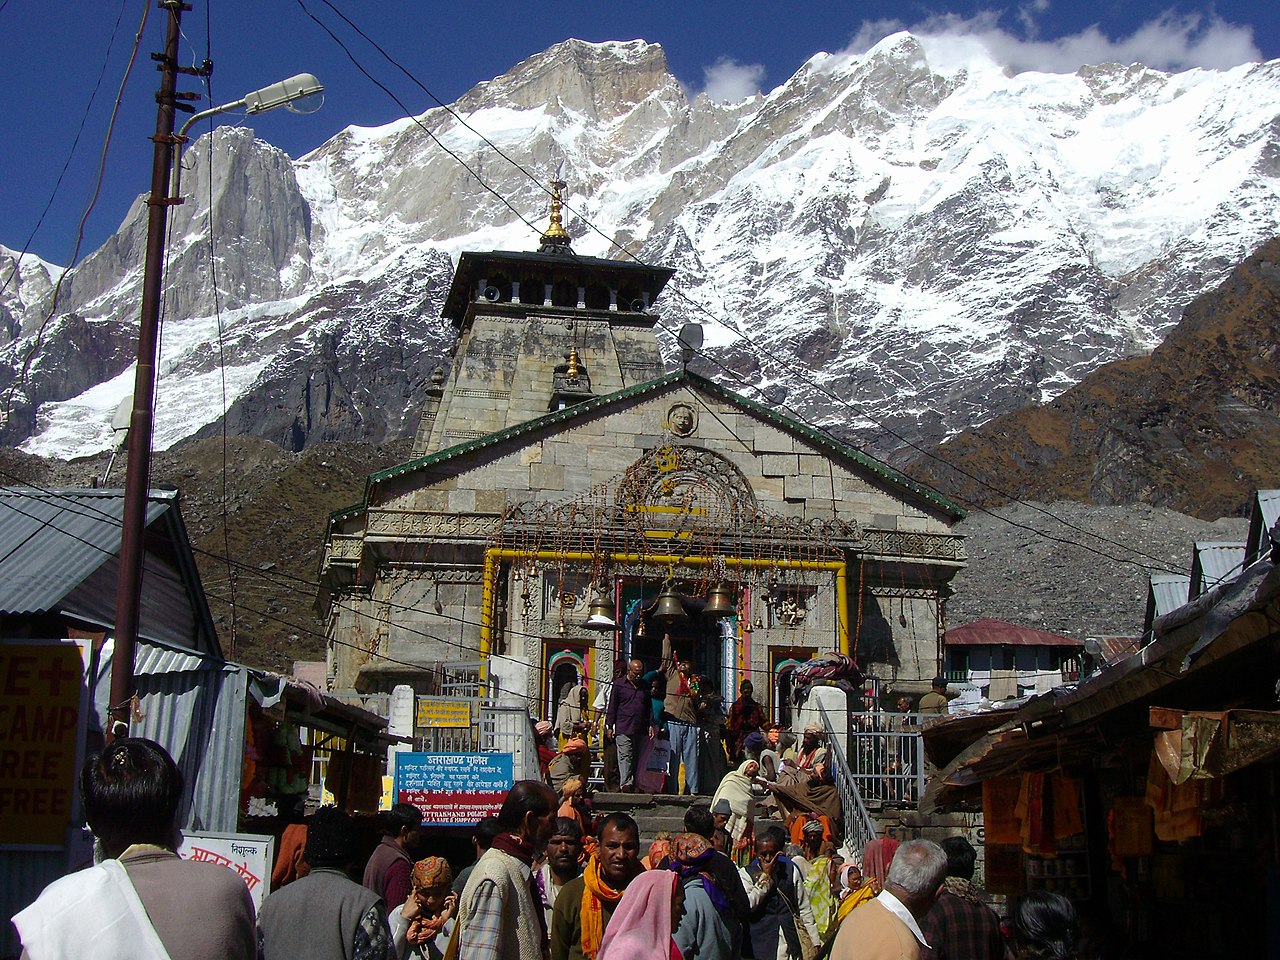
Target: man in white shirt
888,927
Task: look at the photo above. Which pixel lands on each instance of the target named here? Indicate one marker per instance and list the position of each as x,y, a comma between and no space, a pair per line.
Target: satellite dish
119,430
691,336
492,294
124,412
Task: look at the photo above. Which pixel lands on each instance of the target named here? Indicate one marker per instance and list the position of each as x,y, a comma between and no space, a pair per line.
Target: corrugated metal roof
1215,562
1262,520
1269,506
1168,591
53,540
990,632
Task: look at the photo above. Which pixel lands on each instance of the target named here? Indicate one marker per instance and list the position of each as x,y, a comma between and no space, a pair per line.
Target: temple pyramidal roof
562,419
555,256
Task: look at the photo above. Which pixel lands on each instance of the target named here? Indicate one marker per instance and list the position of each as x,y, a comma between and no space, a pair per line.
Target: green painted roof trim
530,426
587,407
822,439
352,510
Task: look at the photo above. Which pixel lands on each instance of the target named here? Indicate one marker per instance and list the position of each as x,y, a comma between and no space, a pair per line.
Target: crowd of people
667,731
543,885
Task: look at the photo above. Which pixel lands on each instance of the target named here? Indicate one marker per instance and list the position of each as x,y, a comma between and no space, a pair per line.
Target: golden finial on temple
556,238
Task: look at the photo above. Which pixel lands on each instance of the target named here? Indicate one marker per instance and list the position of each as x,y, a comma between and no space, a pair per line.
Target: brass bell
669,607
641,630
600,614
720,601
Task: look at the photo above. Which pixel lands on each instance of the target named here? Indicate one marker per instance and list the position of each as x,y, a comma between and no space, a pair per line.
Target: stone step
654,813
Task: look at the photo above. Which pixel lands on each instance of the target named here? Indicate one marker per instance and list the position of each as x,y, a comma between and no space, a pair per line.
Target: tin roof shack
994,660
58,565
1149,791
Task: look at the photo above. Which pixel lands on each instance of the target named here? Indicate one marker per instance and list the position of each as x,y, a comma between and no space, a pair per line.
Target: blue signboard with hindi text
454,789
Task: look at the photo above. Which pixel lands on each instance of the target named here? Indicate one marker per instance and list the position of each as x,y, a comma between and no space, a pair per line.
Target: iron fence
859,828
886,757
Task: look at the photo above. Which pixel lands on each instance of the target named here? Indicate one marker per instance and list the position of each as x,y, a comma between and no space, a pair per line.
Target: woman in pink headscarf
644,924
876,857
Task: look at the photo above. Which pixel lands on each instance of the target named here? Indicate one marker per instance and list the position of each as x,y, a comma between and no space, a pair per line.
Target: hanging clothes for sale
1067,817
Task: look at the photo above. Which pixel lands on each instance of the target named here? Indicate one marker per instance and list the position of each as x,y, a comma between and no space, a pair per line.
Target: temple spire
556,238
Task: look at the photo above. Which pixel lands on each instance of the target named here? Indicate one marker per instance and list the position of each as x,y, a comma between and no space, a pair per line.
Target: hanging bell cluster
669,607
721,601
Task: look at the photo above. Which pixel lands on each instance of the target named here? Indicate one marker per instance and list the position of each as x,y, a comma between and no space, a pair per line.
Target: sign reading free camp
42,716
454,789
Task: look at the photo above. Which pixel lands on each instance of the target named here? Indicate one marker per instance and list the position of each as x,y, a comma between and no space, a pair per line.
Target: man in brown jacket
888,927
680,710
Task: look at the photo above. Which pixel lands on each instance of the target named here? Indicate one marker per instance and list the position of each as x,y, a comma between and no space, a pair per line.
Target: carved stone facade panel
422,523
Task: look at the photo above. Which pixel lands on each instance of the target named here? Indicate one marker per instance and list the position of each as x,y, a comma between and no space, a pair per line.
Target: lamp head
301,94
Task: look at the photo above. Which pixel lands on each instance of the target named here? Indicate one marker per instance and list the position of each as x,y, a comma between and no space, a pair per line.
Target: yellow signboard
40,723
443,712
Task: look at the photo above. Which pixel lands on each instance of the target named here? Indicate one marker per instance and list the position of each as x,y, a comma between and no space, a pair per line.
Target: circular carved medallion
682,420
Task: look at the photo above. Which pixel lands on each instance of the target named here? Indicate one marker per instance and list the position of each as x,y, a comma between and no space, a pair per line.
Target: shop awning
1201,744
1221,647
306,705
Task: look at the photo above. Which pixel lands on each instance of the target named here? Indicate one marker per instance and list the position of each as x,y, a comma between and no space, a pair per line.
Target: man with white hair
888,927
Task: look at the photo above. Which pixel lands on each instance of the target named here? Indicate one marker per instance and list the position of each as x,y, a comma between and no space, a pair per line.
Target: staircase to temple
654,813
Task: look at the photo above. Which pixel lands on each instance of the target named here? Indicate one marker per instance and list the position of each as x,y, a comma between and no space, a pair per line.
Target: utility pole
164,193
138,468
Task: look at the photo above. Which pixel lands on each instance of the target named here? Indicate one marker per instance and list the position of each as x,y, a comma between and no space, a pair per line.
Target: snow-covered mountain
913,229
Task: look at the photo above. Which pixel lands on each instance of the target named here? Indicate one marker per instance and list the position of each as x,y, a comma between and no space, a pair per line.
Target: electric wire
296,584
409,115
694,304
721,321
207,78
38,339
75,142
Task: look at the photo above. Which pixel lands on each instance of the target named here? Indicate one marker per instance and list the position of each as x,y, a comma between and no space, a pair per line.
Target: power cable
75,142
722,321
283,580
409,115
207,77
38,339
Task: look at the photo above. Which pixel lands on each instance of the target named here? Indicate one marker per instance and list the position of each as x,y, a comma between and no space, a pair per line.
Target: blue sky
52,55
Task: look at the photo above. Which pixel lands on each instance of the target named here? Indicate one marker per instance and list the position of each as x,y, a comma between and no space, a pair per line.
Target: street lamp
299,94
141,421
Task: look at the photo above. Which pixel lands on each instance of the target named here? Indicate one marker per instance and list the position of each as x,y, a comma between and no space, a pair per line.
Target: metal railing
508,729
886,757
859,828
495,728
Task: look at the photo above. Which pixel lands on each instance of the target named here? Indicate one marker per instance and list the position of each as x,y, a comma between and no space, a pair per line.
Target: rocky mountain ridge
913,231
1192,427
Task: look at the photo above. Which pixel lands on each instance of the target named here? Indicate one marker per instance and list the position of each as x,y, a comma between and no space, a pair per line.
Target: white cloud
1027,14
1169,42
728,81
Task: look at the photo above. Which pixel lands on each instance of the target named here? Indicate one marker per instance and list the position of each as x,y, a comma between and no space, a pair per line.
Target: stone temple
561,474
